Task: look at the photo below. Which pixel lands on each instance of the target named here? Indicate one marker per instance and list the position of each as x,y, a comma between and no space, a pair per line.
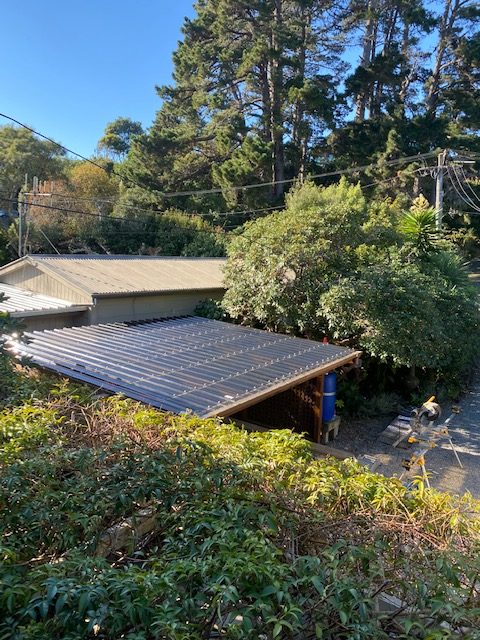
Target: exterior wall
54,321
29,277
148,307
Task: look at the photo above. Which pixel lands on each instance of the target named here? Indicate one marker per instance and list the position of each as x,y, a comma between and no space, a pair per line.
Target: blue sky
70,67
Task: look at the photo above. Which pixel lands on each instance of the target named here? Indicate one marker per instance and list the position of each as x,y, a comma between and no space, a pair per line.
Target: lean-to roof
22,303
184,364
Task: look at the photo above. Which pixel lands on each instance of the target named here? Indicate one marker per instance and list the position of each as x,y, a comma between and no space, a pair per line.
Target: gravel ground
360,437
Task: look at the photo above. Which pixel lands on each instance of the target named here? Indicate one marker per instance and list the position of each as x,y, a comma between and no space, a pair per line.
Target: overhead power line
467,184
459,190
257,185
328,174
61,146
142,222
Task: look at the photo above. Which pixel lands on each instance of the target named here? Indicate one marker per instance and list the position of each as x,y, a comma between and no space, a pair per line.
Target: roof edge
227,410
44,268
49,312
149,292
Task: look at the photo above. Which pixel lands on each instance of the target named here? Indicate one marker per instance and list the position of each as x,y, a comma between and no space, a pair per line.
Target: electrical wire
143,222
48,240
467,184
61,146
175,194
462,194
340,172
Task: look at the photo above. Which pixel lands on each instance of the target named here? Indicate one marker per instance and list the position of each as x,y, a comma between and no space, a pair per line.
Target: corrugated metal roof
22,303
181,364
120,275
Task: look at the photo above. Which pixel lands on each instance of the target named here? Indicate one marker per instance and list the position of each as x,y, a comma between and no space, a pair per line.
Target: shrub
248,536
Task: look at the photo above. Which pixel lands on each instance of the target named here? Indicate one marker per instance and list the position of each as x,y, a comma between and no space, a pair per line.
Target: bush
332,264
248,536
212,309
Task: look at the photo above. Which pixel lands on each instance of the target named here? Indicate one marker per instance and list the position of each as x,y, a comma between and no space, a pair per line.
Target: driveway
443,469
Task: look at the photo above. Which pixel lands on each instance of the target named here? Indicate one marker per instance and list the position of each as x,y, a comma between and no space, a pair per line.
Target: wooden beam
318,408
229,409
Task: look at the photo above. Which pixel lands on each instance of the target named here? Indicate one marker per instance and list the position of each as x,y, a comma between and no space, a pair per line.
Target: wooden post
318,408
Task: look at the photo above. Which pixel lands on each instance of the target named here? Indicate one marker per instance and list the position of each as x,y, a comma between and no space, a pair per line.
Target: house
98,288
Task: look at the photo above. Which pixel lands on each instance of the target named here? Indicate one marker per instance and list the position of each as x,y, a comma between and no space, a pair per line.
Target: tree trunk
367,55
298,134
275,84
445,32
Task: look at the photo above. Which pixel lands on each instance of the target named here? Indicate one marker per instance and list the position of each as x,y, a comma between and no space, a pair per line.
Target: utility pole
442,156
22,210
20,230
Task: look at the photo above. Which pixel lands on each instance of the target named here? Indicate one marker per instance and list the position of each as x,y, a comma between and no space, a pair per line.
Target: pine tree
250,99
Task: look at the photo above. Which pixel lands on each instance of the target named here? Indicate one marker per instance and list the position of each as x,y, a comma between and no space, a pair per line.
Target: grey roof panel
22,303
183,364
124,274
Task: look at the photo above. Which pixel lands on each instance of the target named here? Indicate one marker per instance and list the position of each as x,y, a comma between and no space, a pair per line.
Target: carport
197,365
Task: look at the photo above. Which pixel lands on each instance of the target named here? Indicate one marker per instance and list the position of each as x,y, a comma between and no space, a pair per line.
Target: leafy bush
249,536
419,226
381,278
212,309
399,313
169,233
279,266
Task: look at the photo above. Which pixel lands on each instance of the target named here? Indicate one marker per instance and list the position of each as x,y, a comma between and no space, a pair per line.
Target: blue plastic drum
329,396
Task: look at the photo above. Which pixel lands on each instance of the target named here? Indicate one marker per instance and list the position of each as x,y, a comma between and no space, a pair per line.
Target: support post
318,408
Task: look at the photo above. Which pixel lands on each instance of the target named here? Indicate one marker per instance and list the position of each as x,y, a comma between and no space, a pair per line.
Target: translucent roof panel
183,364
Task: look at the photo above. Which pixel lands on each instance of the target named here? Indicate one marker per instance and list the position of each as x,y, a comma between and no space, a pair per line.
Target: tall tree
118,137
250,94
22,153
453,85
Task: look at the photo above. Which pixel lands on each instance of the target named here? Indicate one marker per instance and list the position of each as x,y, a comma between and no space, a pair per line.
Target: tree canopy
118,137
23,154
332,264
269,91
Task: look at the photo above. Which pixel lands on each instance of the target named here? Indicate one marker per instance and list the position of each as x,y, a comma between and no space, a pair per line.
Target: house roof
99,275
22,304
183,364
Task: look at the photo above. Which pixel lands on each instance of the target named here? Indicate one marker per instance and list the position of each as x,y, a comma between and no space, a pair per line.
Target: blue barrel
329,396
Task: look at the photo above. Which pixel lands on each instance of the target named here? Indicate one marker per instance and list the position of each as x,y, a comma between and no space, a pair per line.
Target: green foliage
333,264
169,233
250,536
400,313
118,136
212,309
280,264
23,153
418,227
4,247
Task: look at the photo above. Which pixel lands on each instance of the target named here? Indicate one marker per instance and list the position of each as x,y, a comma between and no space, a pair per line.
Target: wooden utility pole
442,156
22,211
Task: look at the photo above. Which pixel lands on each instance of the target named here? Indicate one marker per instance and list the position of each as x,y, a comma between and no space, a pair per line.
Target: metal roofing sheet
103,275
19,302
183,364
